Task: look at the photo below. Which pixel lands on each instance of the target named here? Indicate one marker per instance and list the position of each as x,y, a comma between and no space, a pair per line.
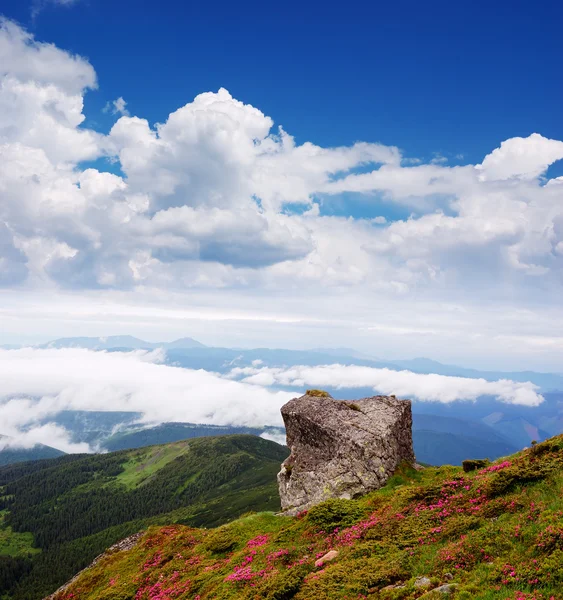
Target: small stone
448,576
444,590
331,555
422,582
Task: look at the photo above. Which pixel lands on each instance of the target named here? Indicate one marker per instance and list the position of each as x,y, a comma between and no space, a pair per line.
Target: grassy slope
213,480
496,533
142,464
13,543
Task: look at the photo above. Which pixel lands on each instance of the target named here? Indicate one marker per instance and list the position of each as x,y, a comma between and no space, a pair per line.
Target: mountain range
189,353
120,341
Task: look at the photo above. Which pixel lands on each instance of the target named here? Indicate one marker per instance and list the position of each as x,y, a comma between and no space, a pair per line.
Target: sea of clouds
36,384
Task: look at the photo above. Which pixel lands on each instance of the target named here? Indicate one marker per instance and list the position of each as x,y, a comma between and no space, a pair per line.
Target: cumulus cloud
36,384
27,60
524,158
216,197
404,384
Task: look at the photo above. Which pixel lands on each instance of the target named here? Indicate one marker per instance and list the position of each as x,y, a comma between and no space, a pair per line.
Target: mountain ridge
545,380
120,341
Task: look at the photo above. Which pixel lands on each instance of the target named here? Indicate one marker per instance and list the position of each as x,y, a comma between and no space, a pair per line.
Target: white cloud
117,107
404,384
49,433
524,158
27,60
216,198
278,438
36,384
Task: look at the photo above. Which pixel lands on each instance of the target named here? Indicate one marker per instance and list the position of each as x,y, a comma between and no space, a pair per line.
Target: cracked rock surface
342,449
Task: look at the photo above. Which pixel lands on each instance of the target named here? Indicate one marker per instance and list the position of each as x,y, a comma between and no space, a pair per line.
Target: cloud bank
403,384
35,384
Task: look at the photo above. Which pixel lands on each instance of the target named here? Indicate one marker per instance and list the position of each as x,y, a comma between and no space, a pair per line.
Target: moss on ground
496,533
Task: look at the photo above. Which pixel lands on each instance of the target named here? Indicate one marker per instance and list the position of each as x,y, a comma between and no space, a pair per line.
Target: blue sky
412,205
441,77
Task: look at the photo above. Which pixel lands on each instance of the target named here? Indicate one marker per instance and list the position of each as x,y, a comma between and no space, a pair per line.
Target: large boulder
341,449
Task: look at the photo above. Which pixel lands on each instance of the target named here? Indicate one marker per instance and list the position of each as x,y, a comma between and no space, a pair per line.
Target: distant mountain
519,429
445,440
547,381
126,342
181,343
10,455
349,352
436,448
74,507
173,432
189,353
93,426
455,426
516,425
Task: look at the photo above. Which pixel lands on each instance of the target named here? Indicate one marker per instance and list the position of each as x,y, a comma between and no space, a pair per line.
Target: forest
78,505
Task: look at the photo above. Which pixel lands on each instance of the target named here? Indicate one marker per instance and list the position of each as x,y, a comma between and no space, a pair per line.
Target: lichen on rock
341,449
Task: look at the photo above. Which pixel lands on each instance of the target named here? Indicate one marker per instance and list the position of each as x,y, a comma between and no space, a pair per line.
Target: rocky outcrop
341,449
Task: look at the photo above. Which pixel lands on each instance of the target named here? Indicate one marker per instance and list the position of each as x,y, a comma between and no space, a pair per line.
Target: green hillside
491,534
9,456
173,432
57,515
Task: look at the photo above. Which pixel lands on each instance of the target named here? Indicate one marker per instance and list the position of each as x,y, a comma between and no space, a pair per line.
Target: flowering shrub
495,532
258,541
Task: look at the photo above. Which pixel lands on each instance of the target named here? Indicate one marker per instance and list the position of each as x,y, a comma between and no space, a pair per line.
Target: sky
382,177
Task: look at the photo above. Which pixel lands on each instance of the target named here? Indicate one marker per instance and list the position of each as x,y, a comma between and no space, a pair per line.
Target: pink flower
260,540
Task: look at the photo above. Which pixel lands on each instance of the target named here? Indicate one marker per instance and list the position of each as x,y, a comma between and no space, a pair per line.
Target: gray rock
444,590
422,582
331,555
388,588
341,449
